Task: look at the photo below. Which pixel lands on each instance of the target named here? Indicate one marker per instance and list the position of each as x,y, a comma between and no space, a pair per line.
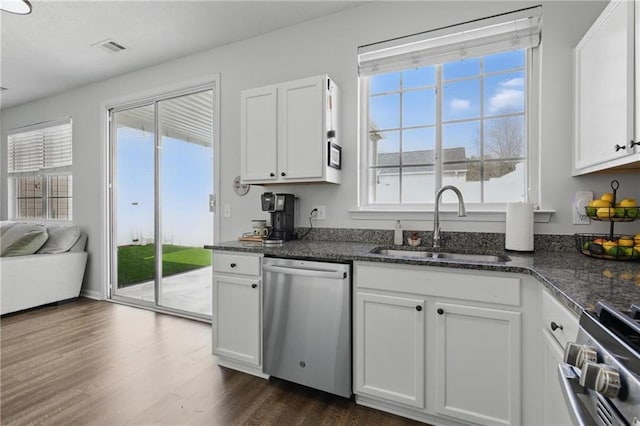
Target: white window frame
475,211
40,169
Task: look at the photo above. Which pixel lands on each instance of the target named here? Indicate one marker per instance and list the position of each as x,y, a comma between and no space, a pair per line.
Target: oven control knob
577,355
601,378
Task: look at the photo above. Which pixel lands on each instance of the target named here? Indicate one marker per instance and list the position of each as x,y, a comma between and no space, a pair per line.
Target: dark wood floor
90,362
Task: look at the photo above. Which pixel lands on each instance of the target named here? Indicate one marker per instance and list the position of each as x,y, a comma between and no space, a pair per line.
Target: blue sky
461,100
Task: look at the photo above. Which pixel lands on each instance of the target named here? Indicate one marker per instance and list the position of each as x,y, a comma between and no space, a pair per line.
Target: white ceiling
49,51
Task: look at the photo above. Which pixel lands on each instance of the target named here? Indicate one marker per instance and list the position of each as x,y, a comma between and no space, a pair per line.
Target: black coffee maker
281,207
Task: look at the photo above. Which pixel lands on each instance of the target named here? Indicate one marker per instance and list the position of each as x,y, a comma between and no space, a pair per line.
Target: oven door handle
569,383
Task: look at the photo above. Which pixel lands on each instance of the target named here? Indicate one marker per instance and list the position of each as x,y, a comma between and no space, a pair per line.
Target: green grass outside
136,263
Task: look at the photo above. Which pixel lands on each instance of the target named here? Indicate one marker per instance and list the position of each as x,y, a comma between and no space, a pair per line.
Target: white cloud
459,105
510,95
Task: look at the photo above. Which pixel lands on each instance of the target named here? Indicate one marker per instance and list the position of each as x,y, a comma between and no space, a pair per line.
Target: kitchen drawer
440,282
554,312
236,263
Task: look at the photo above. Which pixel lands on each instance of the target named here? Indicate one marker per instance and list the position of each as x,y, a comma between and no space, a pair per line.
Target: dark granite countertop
576,280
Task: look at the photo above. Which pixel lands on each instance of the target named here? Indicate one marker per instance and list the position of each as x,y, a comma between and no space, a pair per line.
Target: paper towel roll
519,229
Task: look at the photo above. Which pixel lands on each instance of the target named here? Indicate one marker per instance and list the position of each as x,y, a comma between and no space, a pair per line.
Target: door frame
136,100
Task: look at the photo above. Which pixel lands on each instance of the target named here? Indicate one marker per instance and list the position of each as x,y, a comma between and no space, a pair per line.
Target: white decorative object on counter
397,234
519,227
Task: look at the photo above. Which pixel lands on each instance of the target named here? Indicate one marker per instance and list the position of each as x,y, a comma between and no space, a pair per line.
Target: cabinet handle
272,174
554,326
440,311
254,285
418,308
633,143
283,174
233,265
619,147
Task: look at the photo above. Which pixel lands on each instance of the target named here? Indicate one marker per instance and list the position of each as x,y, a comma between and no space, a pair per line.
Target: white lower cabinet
237,313
478,363
390,328
441,345
559,326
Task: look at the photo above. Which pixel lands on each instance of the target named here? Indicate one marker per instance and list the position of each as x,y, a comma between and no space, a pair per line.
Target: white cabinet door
259,134
478,364
554,407
236,318
389,348
604,91
302,145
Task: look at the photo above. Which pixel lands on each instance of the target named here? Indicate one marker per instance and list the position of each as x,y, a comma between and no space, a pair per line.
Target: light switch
227,210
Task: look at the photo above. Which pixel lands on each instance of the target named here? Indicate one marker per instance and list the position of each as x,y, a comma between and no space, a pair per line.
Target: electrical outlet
580,201
319,213
227,210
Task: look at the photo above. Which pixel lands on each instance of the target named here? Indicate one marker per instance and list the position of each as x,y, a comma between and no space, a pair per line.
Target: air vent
109,45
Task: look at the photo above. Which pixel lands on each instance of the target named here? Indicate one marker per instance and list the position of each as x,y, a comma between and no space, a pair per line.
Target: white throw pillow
61,239
22,239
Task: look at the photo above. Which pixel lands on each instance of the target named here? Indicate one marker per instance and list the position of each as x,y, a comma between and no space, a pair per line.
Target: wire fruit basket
604,246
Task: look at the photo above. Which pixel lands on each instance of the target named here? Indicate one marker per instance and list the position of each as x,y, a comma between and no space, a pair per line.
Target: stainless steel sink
426,254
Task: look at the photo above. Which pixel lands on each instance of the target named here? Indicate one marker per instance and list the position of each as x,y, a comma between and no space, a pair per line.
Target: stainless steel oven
600,376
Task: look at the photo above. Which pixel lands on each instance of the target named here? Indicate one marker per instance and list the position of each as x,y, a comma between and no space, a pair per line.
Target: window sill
539,216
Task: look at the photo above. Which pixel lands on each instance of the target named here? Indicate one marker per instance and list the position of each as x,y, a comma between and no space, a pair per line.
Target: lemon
628,202
626,242
601,203
607,196
606,212
636,238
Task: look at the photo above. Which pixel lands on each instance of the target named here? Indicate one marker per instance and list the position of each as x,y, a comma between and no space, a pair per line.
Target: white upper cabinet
607,120
288,132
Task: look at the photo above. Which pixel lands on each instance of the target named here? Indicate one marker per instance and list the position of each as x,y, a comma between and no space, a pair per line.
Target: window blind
515,30
40,148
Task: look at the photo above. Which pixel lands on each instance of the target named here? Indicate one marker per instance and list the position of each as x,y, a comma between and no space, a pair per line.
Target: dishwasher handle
317,273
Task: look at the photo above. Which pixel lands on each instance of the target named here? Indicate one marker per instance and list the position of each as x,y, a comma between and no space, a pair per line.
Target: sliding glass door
162,186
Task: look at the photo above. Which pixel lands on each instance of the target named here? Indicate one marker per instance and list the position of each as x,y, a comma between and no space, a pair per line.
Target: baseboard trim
91,294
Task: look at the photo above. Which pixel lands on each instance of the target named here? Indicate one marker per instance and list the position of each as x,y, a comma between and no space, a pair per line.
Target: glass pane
505,181
386,187
458,69
418,184
383,83
504,137
385,148
504,61
384,112
461,100
418,146
186,180
461,176
504,94
461,141
29,198
59,200
419,108
135,202
419,77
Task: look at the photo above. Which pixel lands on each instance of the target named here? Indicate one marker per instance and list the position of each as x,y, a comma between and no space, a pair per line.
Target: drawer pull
233,265
554,326
418,308
440,311
254,285
619,147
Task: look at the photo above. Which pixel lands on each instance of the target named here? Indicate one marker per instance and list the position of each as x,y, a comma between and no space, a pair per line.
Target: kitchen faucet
436,213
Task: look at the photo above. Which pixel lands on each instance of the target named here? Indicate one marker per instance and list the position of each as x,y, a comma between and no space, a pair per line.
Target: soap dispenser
397,234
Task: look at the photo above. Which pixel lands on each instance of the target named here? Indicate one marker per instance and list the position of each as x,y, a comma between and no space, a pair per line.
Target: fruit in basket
636,238
632,212
625,252
628,202
620,211
591,211
608,245
606,212
597,249
626,241
599,203
607,196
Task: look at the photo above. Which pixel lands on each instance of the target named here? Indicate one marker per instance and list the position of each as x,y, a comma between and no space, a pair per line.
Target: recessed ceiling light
19,7
109,45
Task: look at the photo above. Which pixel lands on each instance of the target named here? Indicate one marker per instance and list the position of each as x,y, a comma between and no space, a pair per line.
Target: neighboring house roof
424,158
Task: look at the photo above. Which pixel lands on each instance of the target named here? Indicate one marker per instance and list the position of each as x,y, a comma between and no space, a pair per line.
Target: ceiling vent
109,45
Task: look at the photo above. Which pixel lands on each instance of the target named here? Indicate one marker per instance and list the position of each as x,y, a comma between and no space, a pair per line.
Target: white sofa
31,280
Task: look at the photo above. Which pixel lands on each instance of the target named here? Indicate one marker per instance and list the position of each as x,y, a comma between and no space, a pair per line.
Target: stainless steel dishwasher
307,323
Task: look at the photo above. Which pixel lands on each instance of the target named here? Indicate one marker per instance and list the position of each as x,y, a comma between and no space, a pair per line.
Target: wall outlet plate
580,201
319,213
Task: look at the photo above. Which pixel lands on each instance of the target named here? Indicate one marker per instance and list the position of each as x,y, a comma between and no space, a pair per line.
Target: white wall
326,45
